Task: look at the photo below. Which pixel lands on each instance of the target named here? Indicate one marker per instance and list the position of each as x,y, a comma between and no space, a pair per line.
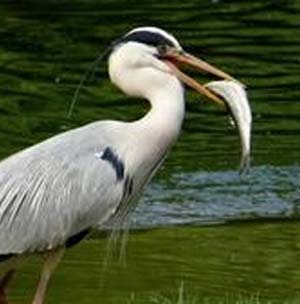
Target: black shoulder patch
75,239
114,160
148,37
4,257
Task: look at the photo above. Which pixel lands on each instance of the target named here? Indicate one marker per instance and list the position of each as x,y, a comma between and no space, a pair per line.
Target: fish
236,100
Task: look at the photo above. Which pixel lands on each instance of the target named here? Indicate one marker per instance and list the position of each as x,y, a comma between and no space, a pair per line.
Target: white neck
137,72
162,124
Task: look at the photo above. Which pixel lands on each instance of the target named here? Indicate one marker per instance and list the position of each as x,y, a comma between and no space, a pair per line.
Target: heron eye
162,49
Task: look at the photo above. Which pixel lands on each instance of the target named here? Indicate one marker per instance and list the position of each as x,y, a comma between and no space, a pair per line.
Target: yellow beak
174,57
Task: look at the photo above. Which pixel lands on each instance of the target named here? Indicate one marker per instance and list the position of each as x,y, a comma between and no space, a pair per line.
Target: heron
54,193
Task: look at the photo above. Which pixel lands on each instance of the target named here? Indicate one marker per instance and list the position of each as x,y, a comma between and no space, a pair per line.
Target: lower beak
174,58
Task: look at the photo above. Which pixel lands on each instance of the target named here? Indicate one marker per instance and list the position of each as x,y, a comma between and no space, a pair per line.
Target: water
214,262
199,223
202,198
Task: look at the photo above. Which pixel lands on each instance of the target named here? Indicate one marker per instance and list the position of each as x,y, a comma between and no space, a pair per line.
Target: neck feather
163,122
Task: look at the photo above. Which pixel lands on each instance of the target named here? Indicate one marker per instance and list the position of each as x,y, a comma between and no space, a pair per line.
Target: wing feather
55,189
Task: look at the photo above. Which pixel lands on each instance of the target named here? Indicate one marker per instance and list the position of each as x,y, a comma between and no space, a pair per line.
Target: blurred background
201,228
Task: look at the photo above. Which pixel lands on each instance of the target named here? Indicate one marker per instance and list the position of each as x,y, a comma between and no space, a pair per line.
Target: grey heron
53,193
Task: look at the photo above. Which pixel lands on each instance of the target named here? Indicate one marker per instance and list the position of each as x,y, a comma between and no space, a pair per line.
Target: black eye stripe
149,38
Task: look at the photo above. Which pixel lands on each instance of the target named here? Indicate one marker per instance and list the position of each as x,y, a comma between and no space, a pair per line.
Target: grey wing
56,189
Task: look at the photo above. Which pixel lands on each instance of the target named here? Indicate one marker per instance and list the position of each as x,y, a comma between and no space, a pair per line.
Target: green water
223,262
46,46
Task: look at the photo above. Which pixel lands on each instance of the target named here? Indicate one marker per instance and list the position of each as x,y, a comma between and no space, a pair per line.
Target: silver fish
237,103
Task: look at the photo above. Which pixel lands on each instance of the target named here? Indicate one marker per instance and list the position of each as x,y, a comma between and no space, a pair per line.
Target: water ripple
217,197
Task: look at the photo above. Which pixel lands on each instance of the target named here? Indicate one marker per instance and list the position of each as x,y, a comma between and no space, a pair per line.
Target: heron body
53,193
84,174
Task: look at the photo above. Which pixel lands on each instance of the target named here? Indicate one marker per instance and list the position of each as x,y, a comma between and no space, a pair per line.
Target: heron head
147,57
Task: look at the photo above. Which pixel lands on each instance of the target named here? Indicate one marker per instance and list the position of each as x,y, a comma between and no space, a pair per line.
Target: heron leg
52,258
3,284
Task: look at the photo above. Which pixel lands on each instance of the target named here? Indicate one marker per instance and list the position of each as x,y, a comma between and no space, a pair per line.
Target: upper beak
174,57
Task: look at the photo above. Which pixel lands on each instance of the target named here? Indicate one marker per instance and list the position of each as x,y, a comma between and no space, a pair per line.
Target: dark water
45,47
